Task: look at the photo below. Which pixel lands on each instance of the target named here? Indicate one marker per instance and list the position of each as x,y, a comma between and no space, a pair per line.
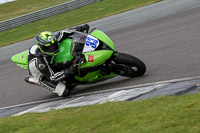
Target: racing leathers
40,66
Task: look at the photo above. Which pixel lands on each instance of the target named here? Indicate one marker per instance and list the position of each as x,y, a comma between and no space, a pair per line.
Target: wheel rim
124,70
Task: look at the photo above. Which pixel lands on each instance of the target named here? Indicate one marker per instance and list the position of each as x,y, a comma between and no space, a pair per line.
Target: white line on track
142,85
45,108
104,91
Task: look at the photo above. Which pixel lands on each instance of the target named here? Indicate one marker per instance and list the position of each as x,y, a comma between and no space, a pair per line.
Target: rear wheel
128,66
66,92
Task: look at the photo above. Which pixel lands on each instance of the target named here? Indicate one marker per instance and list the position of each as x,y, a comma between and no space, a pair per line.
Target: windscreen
78,42
84,42
79,37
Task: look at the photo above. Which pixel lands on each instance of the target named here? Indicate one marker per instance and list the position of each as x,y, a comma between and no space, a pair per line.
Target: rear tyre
128,66
66,92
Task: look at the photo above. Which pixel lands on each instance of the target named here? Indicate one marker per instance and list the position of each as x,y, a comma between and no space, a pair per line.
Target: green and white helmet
47,43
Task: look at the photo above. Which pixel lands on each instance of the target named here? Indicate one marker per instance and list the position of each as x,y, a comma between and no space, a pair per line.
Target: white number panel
91,44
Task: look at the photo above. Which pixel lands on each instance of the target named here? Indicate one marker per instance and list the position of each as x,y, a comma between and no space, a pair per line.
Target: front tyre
128,65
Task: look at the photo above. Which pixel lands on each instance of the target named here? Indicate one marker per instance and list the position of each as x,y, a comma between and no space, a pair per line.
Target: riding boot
30,80
58,88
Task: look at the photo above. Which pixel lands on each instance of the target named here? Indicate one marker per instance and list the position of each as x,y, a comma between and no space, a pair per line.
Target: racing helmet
47,43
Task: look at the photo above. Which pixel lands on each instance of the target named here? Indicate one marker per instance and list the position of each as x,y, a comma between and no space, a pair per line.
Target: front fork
107,66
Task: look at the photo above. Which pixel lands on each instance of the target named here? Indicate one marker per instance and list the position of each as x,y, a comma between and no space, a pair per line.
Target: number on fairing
91,44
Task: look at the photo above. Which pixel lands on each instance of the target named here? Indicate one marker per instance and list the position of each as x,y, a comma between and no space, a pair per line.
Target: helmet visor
50,48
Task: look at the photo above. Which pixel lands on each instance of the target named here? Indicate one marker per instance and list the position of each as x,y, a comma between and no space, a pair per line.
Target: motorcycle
94,56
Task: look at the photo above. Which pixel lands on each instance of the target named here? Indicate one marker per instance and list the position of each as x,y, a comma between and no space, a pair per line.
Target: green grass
79,16
170,114
20,7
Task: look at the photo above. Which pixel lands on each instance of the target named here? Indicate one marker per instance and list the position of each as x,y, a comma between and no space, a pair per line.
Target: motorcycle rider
41,57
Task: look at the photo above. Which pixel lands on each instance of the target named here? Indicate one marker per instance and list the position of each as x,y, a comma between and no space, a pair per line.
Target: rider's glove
86,28
83,28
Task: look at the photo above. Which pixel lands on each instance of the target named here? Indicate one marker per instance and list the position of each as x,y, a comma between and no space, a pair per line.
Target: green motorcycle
95,58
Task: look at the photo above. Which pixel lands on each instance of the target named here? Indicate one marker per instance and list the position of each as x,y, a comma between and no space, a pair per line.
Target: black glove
83,28
86,27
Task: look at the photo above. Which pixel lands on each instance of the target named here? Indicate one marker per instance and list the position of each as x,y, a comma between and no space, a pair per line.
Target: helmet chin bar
43,53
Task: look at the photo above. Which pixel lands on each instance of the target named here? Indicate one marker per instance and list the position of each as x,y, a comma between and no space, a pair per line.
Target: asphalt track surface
168,45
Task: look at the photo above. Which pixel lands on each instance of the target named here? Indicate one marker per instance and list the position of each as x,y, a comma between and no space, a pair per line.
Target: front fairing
93,49
103,37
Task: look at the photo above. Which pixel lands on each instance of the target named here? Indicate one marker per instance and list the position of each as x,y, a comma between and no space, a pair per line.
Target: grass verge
82,15
20,7
169,114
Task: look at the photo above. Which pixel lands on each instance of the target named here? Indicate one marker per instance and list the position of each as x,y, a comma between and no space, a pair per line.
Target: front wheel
128,65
